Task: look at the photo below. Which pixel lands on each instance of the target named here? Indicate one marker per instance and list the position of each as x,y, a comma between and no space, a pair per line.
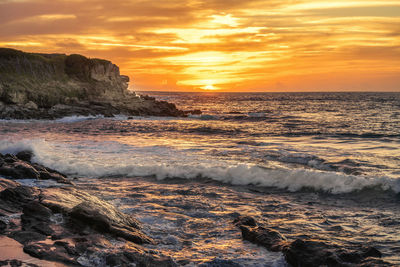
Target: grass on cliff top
9,54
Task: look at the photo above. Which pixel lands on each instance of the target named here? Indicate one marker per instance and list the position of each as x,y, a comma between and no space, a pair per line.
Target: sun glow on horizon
198,45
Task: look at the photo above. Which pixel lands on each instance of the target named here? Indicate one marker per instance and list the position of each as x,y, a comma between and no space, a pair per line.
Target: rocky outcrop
19,167
65,224
48,86
307,252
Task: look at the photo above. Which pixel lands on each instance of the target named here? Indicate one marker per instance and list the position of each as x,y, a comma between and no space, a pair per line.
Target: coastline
52,86
68,224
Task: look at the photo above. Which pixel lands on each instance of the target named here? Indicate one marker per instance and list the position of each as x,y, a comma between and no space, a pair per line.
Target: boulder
91,211
307,252
25,155
31,105
20,167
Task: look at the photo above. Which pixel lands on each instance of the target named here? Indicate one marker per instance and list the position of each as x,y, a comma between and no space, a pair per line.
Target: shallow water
321,165
192,220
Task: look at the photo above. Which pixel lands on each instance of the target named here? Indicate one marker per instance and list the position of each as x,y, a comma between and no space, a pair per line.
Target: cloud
221,44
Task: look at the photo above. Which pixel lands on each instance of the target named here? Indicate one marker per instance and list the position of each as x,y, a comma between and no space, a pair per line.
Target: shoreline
52,86
64,223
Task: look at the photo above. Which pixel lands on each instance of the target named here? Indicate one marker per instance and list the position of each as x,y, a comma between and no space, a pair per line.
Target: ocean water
315,165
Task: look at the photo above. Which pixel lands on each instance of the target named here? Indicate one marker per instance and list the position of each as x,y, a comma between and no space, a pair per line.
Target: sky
226,45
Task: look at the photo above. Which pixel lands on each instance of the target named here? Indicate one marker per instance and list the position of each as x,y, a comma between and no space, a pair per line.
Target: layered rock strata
49,86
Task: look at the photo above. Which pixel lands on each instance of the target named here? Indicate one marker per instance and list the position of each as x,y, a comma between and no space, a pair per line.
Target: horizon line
220,91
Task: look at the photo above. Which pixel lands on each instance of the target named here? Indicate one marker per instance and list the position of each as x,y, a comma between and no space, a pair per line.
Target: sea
322,166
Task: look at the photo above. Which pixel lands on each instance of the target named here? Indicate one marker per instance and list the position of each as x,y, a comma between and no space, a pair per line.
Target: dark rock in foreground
73,227
20,167
66,224
307,252
50,86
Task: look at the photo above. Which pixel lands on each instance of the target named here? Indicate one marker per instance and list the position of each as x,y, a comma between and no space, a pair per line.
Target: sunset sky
230,45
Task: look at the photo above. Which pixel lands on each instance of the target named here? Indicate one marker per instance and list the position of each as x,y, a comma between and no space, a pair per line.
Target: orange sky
231,45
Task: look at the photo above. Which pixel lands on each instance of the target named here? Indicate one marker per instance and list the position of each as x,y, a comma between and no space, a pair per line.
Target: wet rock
3,226
36,217
117,260
45,175
49,252
69,225
19,195
307,252
9,158
310,253
20,167
90,210
6,183
106,218
245,220
266,237
220,263
17,263
144,258
25,155
25,237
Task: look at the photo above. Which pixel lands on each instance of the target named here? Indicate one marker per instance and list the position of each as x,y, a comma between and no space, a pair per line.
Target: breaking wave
110,158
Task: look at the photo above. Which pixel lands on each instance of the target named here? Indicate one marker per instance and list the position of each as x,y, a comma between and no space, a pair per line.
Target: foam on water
111,158
72,119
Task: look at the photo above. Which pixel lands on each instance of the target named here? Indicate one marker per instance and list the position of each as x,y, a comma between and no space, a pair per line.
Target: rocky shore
50,86
307,252
65,225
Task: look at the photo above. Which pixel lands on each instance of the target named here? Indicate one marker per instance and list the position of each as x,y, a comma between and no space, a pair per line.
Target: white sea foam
95,159
71,119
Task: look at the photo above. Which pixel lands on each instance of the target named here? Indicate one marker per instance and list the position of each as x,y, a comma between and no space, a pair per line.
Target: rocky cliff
47,86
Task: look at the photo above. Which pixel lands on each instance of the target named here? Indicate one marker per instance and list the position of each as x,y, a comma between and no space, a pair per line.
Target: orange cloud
219,44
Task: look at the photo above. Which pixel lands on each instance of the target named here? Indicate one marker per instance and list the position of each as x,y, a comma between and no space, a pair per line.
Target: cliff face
54,85
56,78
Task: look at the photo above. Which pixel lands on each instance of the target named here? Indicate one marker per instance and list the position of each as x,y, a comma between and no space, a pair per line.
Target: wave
105,159
68,119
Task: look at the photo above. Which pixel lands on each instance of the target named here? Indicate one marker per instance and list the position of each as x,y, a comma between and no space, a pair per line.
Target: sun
209,87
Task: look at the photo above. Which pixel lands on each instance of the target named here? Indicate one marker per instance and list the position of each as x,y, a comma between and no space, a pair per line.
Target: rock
50,252
245,220
6,183
45,175
37,211
19,195
20,167
3,226
220,263
36,217
25,237
266,237
90,210
307,252
49,86
19,170
17,263
8,158
31,105
25,155
106,218
84,232
310,253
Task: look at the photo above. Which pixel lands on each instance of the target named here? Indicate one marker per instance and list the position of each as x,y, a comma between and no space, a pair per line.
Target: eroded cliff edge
49,86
